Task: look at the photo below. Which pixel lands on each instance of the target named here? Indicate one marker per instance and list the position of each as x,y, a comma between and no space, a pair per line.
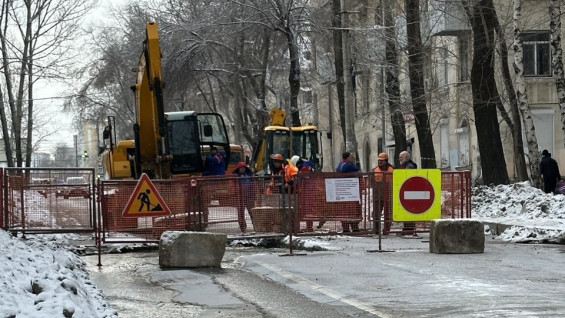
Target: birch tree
522,96
515,122
557,56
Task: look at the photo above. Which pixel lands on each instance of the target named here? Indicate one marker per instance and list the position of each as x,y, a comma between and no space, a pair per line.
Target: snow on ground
535,215
41,278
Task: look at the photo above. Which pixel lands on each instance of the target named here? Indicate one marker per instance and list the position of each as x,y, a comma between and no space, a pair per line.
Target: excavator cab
276,139
287,141
305,143
187,132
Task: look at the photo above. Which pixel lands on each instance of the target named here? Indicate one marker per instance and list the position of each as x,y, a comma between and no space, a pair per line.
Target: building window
443,76
464,49
537,53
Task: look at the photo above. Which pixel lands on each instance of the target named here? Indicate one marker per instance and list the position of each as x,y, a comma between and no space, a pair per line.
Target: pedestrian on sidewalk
549,171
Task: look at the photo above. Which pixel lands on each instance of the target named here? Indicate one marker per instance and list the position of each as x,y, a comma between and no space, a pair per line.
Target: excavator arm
152,153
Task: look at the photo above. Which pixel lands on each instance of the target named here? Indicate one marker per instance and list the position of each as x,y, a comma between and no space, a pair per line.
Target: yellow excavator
302,141
166,144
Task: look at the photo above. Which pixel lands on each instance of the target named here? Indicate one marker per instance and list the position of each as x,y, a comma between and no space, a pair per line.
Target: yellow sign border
399,176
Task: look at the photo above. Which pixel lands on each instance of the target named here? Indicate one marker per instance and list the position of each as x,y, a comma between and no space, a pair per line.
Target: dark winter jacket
549,169
214,165
346,166
244,177
409,165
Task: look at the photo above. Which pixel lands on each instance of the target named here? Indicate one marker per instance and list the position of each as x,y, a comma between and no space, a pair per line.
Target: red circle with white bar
416,195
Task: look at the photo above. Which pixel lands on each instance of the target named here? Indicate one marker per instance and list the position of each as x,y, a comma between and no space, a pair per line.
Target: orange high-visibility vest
379,173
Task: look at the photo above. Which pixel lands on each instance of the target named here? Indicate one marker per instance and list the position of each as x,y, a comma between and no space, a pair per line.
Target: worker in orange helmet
382,166
380,191
277,174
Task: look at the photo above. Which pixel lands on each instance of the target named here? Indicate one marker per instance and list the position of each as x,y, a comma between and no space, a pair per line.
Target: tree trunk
9,90
349,85
522,97
338,62
5,132
29,138
237,85
416,75
485,93
294,75
392,87
514,124
262,114
557,58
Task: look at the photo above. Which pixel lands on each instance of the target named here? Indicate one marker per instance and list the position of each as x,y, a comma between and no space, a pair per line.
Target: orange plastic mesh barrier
318,209
226,204
48,200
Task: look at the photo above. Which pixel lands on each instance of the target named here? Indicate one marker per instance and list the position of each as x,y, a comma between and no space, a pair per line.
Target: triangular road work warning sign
145,200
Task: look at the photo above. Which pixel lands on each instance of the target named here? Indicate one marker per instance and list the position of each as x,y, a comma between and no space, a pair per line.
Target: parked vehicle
74,187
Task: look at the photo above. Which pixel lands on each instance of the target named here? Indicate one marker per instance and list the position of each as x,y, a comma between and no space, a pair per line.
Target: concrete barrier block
191,249
457,236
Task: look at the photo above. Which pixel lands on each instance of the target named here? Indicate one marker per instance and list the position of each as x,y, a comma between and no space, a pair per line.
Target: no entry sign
416,194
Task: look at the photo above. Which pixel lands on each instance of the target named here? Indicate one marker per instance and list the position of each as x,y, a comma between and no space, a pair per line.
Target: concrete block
457,236
191,249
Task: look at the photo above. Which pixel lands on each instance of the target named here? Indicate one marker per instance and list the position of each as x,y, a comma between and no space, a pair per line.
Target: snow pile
41,279
535,215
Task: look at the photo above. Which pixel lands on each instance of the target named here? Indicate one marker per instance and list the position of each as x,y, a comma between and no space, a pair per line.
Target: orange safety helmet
383,156
278,156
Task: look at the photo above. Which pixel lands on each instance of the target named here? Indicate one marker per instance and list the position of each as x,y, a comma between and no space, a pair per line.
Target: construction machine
277,138
166,144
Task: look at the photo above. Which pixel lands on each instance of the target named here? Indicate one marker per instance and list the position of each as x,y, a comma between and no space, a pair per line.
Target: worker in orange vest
277,174
380,191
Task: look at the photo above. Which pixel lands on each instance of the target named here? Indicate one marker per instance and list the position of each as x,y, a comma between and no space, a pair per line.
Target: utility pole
348,69
76,151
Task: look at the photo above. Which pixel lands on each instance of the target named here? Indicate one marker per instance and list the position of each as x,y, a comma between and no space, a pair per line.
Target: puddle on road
194,288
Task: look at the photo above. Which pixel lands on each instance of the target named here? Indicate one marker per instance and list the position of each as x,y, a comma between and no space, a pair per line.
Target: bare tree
485,92
338,60
557,58
416,75
514,123
522,97
392,83
33,35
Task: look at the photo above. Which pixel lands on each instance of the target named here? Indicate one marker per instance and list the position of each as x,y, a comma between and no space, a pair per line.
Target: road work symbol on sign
416,194
145,200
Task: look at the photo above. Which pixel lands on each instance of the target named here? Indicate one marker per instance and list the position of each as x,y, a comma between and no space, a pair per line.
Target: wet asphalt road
135,286
349,279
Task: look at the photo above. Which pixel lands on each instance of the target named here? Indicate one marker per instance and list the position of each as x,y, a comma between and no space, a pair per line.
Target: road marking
416,195
328,292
